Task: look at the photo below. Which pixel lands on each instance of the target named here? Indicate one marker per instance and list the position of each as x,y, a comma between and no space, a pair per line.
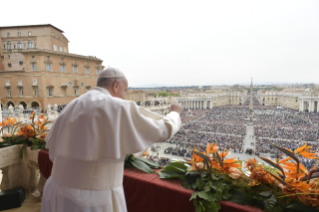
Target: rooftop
25,26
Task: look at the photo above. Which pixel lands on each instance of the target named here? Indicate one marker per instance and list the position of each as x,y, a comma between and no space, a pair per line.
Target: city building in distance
36,68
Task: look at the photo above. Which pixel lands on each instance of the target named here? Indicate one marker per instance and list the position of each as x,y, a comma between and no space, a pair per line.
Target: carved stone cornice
50,86
86,66
88,86
75,64
62,64
60,54
7,86
20,86
33,62
64,86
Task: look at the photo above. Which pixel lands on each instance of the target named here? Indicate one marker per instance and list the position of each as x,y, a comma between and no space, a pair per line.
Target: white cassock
88,144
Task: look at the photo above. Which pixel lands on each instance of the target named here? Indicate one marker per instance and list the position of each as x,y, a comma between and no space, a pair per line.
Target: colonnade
309,105
196,104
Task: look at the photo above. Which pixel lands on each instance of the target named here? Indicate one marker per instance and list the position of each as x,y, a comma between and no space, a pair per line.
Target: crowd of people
263,145
185,141
226,126
195,114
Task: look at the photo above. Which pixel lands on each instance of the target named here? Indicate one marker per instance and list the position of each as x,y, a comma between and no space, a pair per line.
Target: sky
182,43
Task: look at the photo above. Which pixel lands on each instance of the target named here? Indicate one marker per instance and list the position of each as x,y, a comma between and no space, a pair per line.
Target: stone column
34,179
5,183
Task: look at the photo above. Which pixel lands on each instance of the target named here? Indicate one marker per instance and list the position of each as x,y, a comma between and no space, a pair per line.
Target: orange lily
251,163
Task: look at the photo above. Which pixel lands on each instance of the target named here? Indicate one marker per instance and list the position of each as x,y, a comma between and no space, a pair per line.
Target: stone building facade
210,100
136,96
302,100
36,68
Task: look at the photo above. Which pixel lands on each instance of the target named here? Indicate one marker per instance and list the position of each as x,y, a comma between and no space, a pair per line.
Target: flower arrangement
286,186
30,135
11,137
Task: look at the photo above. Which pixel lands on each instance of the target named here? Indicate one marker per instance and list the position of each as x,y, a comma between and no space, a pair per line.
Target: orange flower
303,151
292,168
251,163
223,154
42,117
15,120
196,159
295,186
145,153
5,123
32,115
230,163
42,136
234,173
27,131
258,174
9,121
211,148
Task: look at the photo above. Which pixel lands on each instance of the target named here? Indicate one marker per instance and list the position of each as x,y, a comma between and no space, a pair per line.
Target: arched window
30,44
9,45
19,44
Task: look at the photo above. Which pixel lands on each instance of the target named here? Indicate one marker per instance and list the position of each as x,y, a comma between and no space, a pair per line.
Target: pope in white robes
89,141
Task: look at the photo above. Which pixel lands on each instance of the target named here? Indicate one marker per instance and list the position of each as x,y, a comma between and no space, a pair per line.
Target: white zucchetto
111,73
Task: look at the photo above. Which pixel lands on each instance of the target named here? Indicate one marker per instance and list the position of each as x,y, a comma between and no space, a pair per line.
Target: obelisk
251,103
250,139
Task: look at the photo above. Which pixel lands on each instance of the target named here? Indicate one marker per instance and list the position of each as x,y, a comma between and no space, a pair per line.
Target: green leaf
201,194
215,177
186,184
178,164
204,195
298,206
212,206
217,195
217,185
278,209
163,175
142,166
226,194
22,151
200,184
265,193
273,164
240,197
198,208
174,170
207,187
18,140
270,204
194,196
152,164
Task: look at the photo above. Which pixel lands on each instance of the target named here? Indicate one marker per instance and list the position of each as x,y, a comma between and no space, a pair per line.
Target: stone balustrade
17,172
